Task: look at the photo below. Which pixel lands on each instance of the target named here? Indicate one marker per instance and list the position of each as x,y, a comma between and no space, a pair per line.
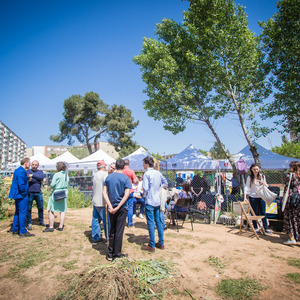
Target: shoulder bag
264,193
59,195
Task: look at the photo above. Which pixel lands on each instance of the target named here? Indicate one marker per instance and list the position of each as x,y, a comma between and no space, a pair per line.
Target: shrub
76,199
5,203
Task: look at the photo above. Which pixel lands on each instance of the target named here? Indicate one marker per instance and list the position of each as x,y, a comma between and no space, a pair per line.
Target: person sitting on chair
185,193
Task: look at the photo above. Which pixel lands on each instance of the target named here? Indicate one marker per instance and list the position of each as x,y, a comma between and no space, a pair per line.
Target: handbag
286,195
59,195
264,193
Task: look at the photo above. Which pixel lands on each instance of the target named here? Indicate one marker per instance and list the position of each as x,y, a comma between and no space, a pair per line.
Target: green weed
294,277
294,262
216,262
239,289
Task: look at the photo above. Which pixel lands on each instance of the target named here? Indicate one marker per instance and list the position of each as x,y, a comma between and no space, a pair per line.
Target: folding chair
250,216
182,209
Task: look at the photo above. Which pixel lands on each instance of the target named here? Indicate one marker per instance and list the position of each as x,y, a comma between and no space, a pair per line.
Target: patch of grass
294,262
294,277
177,292
69,265
216,262
239,289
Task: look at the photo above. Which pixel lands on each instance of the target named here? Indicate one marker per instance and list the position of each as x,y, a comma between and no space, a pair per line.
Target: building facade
12,148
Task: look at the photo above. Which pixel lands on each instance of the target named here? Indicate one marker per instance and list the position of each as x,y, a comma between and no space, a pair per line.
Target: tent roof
98,155
41,158
67,157
268,159
136,159
190,159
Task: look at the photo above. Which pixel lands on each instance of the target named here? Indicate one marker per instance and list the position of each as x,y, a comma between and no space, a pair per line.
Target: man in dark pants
35,193
18,192
115,192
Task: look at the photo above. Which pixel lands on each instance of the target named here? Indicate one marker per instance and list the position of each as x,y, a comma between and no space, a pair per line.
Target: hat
101,163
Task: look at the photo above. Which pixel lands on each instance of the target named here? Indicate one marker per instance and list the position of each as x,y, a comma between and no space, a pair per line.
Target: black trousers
117,223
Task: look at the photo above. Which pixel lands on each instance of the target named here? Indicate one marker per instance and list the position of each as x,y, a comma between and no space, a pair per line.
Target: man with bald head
35,193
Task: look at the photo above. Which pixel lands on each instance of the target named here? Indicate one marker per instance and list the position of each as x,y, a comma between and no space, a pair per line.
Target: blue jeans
259,207
98,215
38,197
140,201
130,209
20,215
154,218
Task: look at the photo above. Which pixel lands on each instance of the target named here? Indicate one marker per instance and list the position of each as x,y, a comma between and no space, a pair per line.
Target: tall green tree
87,118
281,36
289,149
203,69
216,151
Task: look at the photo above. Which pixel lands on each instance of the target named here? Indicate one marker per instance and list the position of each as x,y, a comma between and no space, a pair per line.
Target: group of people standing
26,187
120,190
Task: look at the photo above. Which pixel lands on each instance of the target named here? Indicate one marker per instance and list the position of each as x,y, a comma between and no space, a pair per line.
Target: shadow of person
140,225
137,239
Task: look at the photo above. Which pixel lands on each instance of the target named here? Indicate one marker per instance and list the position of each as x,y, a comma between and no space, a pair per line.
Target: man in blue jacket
18,192
35,193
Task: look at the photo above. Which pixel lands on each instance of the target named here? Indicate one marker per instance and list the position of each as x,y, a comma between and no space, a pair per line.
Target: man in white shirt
152,183
99,212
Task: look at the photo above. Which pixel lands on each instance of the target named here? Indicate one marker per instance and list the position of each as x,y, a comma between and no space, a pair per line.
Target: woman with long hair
59,182
255,180
291,220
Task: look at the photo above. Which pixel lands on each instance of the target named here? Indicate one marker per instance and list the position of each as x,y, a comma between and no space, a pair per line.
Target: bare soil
40,267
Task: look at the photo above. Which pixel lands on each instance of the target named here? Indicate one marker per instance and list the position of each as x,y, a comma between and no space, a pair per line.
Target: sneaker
94,243
159,246
141,216
26,234
134,216
258,231
60,229
268,231
15,232
29,227
122,255
108,257
290,242
148,248
48,229
43,224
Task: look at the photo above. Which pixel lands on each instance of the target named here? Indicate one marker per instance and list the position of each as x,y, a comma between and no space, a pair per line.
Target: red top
130,173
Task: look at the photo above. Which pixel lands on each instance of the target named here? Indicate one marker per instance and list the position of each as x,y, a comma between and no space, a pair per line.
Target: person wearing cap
99,213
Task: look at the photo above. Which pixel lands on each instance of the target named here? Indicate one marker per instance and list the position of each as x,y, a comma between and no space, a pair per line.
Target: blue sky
52,49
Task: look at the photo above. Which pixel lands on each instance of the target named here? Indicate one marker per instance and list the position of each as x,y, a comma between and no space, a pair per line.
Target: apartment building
12,148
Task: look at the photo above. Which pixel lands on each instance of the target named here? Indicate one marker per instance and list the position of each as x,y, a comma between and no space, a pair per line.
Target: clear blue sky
52,49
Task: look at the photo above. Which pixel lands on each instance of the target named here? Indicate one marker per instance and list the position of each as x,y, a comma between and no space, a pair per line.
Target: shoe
29,227
122,255
133,216
148,248
26,234
258,231
43,224
159,246
48,229
290,242
141,216
109,258
15,232
94,243
268,231
60,229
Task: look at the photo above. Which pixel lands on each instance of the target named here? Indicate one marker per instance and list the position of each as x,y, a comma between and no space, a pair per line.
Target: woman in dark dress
291,221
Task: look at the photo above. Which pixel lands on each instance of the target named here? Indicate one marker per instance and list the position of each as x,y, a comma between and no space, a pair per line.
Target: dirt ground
39,267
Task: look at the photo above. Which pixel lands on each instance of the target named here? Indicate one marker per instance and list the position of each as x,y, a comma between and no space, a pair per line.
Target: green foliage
280,37
203,69
239,289
203,152
76,199
87,118
216,152
294,277
290,149
79,152
5,202
294,262
216,262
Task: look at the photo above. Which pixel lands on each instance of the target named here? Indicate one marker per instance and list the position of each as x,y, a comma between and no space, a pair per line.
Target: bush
5,203
76,199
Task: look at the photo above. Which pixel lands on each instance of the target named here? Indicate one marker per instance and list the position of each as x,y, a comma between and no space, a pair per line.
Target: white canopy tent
44,162
90,162
67,157
190,159
268,159
136,159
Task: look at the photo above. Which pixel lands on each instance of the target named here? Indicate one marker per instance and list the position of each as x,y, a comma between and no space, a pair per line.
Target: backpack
241,167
